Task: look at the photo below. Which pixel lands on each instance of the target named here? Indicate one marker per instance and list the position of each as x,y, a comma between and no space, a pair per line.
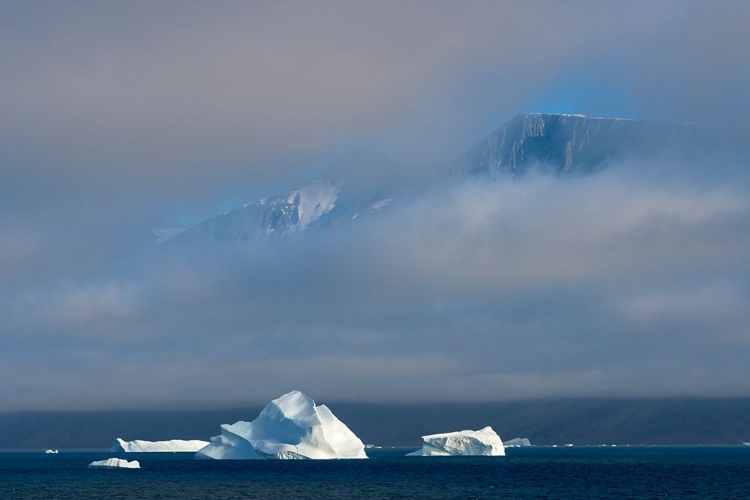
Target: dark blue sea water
536,473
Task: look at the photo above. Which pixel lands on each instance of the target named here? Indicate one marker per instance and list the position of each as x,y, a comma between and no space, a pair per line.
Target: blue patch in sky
579,91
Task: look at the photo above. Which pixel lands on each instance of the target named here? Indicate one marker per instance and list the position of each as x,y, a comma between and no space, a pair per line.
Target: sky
120,117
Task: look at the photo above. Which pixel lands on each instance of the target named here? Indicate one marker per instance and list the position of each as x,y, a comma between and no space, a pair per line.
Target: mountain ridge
562,145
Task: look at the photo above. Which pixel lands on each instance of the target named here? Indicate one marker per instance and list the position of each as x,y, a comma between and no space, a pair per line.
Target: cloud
191,102
606,285
118,118
18,247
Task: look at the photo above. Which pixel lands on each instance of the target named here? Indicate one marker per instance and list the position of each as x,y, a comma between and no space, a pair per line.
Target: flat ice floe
174,445
290,427
115,463
484,442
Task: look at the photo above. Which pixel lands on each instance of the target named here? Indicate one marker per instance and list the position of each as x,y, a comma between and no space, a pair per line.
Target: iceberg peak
289,427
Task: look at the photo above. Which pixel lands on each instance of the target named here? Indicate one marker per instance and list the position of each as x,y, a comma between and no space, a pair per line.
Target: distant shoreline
641,422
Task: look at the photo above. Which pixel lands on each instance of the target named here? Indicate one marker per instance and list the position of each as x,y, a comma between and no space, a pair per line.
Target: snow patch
313,201
379,205
164,234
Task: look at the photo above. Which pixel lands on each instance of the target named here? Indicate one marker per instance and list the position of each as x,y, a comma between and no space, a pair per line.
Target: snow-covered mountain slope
355,187
285,214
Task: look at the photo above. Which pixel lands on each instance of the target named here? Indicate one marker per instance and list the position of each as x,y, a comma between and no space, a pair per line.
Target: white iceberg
483,442
51,452
115,463
290,427
517,443
175,445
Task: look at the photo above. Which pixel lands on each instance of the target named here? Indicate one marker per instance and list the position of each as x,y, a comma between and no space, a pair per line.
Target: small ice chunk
517,442
115,463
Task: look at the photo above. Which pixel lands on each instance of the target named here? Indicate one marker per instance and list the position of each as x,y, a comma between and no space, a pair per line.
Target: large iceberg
175,445
290,427
484,442
115,463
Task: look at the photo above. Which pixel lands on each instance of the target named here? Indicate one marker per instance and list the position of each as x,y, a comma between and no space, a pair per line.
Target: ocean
536,473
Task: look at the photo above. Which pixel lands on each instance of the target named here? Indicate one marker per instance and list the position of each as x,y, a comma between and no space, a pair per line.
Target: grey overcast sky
118,117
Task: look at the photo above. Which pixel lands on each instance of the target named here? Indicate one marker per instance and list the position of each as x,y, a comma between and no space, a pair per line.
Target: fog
618,284
119,118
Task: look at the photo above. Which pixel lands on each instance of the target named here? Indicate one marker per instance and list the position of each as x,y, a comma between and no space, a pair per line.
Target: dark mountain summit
576,144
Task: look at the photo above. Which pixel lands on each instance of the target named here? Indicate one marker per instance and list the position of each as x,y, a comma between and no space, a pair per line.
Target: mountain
362,184
565,145
358,185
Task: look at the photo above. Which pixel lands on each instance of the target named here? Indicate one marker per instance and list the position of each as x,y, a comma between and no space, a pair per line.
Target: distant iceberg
517,443
51,452
116,463
175,445
484,442
290,427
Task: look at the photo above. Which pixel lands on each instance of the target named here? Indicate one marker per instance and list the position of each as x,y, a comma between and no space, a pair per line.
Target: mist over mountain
361,183
561,256
205,205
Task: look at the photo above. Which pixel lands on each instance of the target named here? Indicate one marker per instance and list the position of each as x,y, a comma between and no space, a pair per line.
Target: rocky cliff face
565,145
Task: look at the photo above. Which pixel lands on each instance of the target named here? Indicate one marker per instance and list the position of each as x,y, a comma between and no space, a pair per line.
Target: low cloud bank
619,284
